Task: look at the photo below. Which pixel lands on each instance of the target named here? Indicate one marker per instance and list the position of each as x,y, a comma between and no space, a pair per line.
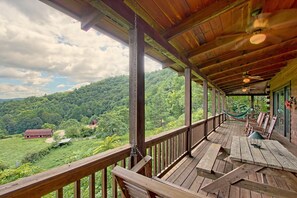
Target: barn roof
38,132
210,36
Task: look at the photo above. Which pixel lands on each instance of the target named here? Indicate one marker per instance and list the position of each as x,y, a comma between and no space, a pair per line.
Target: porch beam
205,106
264,53
238,85
247,94
136,91
255,72
188,108
239,79
234,54
152,36
253,65
88,20
200,17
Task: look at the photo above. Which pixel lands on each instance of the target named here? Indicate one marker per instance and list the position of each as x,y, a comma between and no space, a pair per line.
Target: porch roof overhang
211,37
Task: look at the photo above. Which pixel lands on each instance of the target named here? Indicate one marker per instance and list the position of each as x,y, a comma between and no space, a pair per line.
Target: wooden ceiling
210,36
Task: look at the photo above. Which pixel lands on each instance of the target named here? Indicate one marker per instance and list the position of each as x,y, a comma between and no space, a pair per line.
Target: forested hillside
106,100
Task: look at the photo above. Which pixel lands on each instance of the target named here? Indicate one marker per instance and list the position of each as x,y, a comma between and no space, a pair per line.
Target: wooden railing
91,176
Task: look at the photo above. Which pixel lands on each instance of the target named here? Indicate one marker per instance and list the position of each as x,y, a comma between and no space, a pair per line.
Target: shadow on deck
185,174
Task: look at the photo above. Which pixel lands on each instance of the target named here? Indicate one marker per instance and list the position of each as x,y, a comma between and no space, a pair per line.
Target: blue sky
43,51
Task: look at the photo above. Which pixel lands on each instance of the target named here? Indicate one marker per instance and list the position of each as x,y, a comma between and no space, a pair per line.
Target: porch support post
188,109
213,111
252,105
205,106
219,107
136,93
224,106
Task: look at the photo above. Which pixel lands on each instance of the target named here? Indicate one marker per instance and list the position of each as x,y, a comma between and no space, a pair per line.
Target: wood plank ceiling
210,36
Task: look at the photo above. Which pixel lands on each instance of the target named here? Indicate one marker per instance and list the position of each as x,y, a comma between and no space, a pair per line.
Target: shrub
2,166
86,132
72,132
11,174
33,157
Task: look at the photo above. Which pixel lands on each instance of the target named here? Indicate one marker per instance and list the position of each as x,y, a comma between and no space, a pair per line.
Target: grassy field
14,149
61,155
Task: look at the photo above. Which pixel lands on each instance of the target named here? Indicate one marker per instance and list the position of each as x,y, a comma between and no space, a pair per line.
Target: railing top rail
59,177
51,180
150,141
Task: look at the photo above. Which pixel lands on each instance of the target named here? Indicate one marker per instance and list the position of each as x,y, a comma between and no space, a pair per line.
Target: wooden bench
134,184
207,161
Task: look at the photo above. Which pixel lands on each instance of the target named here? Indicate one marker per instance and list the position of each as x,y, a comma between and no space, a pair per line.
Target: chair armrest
258,129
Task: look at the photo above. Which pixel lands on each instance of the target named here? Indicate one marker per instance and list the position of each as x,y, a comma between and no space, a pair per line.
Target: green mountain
106,100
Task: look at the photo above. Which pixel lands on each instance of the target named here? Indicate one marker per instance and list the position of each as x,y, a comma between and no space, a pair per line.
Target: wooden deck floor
185,174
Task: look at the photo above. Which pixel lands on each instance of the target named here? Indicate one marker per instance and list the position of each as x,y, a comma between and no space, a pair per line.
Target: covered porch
208,42
184,173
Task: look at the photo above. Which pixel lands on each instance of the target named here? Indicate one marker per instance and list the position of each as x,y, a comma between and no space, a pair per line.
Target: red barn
38,133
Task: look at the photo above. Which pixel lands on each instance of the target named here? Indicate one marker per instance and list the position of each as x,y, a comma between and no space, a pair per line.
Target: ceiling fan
246,77
247,88
262,28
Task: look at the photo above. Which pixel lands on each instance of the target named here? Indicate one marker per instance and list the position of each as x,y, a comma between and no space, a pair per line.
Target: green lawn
61,155
14,149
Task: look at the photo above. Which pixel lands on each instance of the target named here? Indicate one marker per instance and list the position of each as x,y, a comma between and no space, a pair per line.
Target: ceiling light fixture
246,80
257,38
244,89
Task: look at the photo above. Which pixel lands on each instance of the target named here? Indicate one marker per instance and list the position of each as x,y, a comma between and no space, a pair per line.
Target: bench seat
207,162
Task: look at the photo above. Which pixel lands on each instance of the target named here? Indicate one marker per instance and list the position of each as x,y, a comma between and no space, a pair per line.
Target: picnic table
272,158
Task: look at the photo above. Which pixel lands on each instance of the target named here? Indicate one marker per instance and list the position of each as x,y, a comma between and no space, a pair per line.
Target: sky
43,51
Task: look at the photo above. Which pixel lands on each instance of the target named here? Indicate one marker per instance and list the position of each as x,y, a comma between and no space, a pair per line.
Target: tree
49,126
69,123
113,122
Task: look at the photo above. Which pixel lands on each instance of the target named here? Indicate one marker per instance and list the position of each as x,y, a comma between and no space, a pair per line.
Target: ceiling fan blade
283,19
221,40
256,77
241,44
272,38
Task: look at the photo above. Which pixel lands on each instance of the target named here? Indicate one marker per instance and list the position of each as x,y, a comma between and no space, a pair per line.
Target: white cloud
36,39
21,91
61,86
77,86
26,76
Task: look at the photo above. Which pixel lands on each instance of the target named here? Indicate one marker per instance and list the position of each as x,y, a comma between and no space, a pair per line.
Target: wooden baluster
77,189
159,157
163,155
167,155
171,150
150,151
184,141
59,193
114,186
123,164
174,148
92,186
155,160
104,183
179,144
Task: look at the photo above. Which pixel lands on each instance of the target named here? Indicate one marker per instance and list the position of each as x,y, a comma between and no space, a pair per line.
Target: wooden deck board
185,173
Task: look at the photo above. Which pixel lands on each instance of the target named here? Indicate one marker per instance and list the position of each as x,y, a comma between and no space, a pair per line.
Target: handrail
150,141
171,143
63,175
